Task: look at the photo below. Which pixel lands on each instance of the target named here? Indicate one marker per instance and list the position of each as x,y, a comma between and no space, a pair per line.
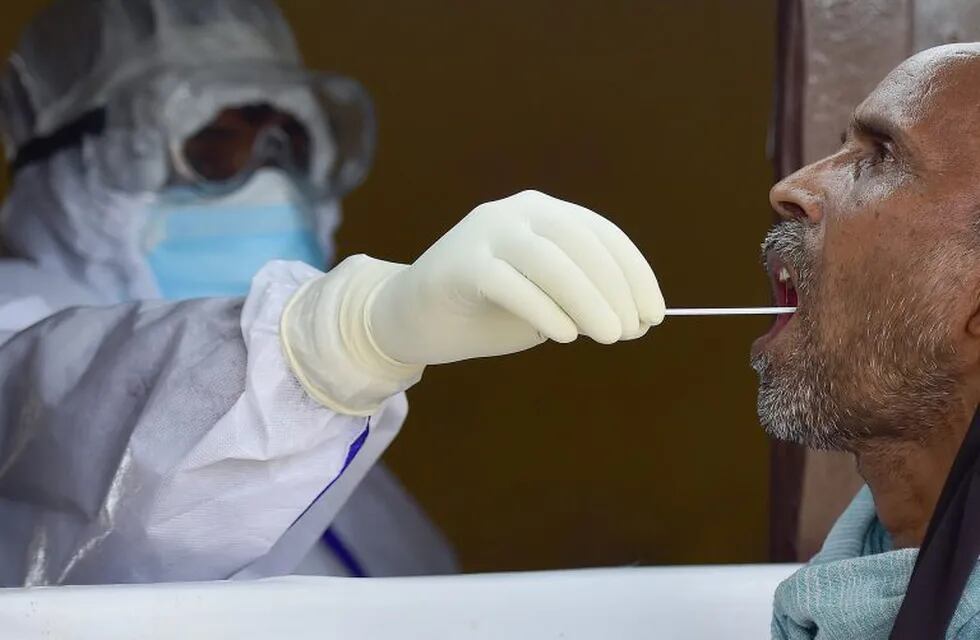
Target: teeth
783,275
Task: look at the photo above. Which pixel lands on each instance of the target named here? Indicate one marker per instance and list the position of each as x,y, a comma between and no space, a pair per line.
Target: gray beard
890,376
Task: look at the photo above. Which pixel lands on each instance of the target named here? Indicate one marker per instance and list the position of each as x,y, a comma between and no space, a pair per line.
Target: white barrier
730,602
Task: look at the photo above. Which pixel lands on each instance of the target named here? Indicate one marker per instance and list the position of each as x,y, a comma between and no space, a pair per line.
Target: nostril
791,210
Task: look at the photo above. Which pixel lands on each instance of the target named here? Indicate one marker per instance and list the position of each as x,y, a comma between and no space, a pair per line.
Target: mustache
790,243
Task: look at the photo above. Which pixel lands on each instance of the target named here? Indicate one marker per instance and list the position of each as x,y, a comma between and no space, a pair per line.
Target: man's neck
906,479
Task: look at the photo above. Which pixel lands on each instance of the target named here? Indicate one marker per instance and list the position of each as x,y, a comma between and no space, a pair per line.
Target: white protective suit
152,440
219,437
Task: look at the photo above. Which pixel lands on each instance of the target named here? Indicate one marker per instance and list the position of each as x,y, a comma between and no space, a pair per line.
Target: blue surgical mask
211,247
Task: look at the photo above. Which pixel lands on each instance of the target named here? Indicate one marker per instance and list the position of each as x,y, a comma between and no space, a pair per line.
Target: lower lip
781,321
763,341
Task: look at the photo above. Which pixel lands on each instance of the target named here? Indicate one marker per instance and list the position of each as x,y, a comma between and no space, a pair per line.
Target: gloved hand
510,275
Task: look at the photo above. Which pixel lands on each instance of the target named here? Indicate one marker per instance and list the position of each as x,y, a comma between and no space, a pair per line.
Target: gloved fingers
507,287
592,256
558,276
643,283
641,331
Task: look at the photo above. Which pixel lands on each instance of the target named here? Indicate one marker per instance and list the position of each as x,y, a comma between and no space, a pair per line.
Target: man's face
881,245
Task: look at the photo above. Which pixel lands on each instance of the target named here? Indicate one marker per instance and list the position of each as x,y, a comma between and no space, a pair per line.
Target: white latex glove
510,275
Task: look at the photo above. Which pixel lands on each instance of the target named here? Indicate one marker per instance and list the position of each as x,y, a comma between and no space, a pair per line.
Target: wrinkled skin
883,356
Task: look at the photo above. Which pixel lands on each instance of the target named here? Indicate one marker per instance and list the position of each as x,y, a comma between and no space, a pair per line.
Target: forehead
933,97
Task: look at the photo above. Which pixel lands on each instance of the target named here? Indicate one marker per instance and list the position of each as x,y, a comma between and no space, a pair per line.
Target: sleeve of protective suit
160,441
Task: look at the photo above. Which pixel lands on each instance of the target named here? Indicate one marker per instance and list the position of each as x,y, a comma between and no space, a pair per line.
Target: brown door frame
787,460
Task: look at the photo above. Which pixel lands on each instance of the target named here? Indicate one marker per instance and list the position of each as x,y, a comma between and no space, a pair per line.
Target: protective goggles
210,128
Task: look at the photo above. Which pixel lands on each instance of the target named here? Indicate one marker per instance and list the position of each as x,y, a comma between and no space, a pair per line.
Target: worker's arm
157,441
160,441
512,274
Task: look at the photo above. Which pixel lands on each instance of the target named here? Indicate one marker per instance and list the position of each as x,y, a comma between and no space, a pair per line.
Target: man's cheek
831,311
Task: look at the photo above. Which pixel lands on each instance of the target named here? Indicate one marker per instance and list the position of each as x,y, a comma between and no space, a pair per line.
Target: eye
877,153
882,151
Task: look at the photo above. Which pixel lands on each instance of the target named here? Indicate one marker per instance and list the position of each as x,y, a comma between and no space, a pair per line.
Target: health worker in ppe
242,145
185,395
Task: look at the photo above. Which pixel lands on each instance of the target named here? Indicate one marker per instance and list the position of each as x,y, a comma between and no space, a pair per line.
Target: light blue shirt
854,587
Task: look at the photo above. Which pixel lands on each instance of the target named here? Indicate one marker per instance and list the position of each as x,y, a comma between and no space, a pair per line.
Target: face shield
252,170
208,130
239,166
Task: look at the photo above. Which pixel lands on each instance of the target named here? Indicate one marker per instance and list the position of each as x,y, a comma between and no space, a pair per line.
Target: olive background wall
652,112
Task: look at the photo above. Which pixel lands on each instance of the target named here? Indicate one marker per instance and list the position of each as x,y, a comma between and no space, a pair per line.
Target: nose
795,197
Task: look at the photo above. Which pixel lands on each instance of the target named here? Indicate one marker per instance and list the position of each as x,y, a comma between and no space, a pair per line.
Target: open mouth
783,292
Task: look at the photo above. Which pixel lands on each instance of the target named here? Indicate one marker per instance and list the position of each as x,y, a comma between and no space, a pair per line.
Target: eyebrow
879,129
